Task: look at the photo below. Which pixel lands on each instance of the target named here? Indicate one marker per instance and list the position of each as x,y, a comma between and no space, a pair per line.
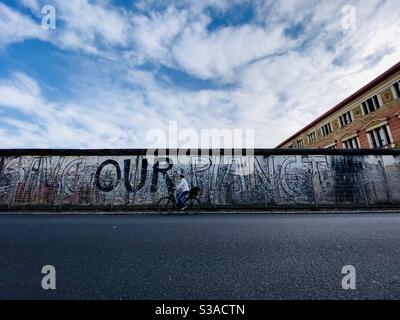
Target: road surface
220,256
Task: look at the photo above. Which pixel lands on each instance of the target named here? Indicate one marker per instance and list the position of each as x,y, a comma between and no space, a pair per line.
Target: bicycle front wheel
193,205
165,205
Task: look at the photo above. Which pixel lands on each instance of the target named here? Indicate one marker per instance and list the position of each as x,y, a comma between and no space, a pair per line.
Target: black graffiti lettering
156,170
143,175
110,184
70,175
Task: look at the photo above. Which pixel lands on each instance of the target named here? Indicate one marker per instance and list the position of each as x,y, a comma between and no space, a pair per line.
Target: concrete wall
111,179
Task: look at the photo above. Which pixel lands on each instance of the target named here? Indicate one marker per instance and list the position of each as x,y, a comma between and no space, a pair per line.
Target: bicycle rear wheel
165,205
193,205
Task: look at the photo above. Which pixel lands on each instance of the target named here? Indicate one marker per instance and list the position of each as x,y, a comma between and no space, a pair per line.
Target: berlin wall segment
264,180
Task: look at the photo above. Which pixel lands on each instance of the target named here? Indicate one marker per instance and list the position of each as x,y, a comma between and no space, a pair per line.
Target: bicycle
167,205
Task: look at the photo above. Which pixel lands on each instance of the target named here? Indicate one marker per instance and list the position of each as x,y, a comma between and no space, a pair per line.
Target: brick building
370,118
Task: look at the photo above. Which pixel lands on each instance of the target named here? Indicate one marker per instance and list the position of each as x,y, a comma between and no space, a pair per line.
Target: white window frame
379,98
351,138
371,131
314,134
322,129
298,144
395,94
345,113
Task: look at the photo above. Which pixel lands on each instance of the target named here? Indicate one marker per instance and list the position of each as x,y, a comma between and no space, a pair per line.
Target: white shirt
183,185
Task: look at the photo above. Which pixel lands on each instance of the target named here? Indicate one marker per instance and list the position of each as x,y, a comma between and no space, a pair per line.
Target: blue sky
114,70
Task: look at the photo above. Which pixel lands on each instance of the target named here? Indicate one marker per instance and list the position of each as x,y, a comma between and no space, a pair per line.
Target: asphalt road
229,256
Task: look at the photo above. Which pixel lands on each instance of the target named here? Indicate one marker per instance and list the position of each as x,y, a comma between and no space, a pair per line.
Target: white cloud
32,4
217,55
154,35
89,20
20,92
181,39
15,27
81,25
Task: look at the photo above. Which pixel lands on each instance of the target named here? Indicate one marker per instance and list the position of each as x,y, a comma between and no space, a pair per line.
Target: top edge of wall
203,152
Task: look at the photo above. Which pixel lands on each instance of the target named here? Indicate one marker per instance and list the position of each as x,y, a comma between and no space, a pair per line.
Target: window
351,143
397,88
300,143
290,146
312,137
371,105
331,146
326,129
345,119
379,137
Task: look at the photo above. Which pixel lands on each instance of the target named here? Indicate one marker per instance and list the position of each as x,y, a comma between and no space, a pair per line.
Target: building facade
370,118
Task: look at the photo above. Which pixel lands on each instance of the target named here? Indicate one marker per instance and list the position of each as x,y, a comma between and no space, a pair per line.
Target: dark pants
180,197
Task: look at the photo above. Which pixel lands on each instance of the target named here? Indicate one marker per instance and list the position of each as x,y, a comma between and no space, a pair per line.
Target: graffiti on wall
274,180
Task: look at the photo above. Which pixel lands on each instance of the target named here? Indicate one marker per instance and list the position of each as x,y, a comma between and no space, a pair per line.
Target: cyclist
182,190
